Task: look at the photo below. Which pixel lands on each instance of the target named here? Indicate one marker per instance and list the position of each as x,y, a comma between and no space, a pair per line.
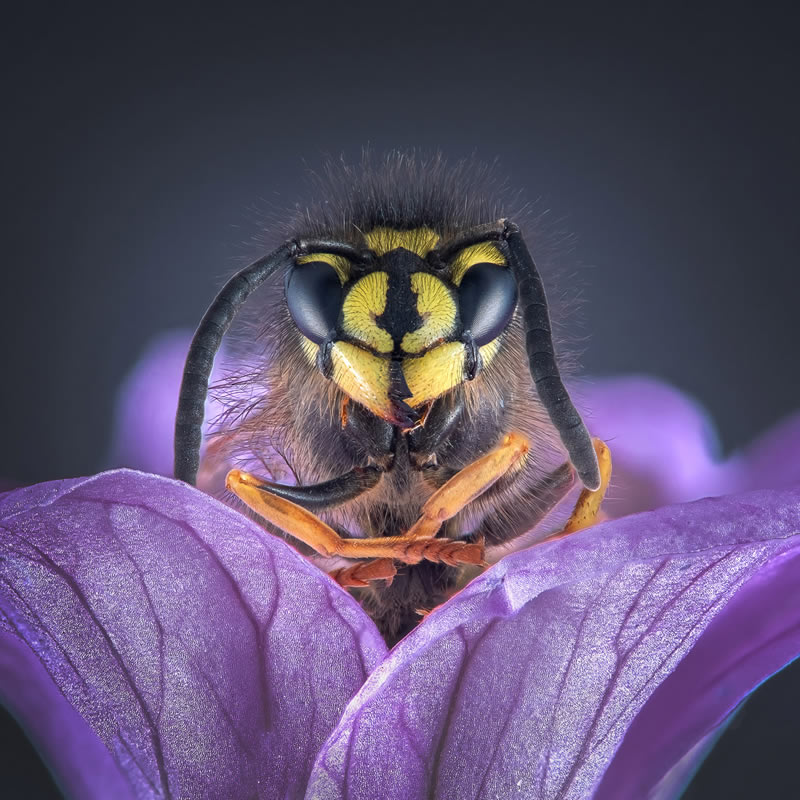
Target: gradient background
140,155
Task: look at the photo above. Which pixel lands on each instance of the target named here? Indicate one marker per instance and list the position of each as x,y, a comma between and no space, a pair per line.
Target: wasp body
410,386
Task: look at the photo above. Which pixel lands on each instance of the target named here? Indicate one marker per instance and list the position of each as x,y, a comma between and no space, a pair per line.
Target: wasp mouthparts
403,415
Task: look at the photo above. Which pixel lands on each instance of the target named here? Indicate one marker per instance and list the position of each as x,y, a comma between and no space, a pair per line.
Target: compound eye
314,297
487,299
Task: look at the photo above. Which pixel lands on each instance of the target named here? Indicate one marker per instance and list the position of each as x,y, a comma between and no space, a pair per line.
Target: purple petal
663,443
739,649
144,422
144,419
81,763
772,461
665,448
526,683
209,658
147,400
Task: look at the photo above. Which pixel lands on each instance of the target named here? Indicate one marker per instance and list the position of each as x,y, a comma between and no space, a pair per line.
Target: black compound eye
314,297
487,299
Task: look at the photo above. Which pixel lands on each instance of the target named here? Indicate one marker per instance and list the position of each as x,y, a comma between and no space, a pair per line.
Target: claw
445,551
360,574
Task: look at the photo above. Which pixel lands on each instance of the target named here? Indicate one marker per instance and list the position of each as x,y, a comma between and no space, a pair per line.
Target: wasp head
405,321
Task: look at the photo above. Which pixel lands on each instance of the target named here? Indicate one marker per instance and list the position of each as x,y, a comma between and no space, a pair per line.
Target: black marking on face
399,392
401,315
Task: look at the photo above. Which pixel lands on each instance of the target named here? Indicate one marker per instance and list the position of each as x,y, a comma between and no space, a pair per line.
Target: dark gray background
140,155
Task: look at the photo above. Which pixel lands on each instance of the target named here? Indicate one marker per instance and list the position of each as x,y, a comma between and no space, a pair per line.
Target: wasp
409,380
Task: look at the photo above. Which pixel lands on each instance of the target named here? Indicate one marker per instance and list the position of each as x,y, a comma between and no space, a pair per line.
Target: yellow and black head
395,325
401,285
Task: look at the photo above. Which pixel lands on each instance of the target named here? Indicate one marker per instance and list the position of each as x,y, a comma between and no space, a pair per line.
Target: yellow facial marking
364,302
437,309
435,373
419,240
485,252
339,263
309,349
362,376
489,351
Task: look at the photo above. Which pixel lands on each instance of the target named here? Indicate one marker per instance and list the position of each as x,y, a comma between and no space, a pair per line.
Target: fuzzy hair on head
402,191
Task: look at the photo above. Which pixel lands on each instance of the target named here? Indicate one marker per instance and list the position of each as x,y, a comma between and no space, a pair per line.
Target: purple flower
665,447
156,643
144,419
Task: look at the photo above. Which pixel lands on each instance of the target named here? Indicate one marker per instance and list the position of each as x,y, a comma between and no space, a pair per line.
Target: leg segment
530,508
536,503
362,572
308,528
329,494
588,504
469,483
287,508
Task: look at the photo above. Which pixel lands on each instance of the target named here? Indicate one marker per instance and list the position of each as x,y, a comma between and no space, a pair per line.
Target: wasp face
404,328
400,285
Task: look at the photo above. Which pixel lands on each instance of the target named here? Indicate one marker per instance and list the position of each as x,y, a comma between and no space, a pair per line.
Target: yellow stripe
339,263
435,373
437,309
489,351
365,301
309,349
362,376
419,240
485,252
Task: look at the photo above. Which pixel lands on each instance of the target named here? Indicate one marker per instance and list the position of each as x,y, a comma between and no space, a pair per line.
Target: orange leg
362,572
468,484
308,528
418,543
588,504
